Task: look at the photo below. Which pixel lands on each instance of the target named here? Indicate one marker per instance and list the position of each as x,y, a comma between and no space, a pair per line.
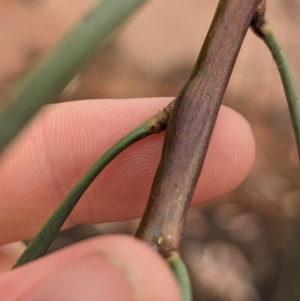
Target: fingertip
66,139
151,277
115,267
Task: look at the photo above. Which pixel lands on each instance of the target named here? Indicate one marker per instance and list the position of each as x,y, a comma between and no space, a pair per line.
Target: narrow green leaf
41,243
53,73
287,78
181,273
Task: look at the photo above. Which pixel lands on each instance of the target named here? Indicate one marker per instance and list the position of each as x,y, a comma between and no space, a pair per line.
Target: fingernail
91,278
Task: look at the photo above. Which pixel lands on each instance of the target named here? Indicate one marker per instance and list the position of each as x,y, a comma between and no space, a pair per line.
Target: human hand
47,160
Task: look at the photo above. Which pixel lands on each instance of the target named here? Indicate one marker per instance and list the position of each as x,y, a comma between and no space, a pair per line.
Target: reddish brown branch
191,124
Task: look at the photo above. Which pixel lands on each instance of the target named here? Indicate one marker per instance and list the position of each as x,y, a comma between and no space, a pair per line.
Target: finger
66,139
107,268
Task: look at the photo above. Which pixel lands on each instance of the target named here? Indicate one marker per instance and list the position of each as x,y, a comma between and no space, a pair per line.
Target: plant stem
50,76
191,124
288,284
263,30
189,130
41,243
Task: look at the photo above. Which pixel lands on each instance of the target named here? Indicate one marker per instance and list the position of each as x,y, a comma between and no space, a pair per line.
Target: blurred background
232,245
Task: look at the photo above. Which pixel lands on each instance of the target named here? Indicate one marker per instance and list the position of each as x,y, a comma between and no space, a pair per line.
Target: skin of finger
9,254
64,140
143,270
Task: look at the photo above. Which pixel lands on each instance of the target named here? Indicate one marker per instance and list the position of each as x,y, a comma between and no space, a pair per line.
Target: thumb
106,268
